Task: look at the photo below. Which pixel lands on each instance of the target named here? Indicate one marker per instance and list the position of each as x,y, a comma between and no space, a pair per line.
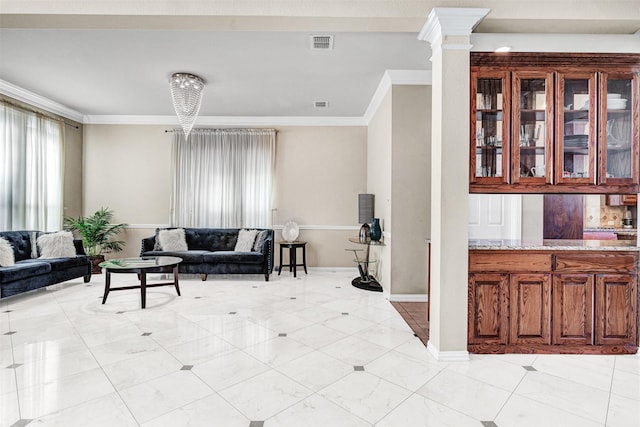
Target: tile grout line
158,343
613,374
442,404
13,361
552,406
526,372
115,389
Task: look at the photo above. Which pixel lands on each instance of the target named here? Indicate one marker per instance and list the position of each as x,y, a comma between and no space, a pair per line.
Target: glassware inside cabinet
489,127
532,127
577,156
618,134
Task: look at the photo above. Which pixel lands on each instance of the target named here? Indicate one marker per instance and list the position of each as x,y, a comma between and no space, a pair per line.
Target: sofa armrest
148,243
267,250
79,248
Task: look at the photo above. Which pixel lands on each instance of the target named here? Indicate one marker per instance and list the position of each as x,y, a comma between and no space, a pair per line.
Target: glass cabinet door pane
576,155
489,128
532,123
619,124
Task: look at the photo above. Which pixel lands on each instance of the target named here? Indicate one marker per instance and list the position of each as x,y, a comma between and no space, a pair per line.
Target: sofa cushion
211,239
23,270
232,257
21,242
188,257
172,240
59,264
56,245
7,258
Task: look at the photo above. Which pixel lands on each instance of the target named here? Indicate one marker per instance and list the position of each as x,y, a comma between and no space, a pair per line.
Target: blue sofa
211,251
32,273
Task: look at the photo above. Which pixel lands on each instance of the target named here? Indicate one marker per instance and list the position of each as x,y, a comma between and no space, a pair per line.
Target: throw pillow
57,245
245,240
7,258
33,238
173,240
260,238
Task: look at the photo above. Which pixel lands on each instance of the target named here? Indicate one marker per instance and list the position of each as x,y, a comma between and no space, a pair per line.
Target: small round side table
293,263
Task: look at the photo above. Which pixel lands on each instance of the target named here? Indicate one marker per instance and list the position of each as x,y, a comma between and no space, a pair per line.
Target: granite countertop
613,230
558,245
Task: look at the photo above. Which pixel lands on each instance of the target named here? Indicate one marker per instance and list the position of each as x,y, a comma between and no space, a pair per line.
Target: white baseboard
408,298
331,269
447,356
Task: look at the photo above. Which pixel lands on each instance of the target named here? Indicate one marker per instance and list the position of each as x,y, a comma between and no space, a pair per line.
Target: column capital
450,21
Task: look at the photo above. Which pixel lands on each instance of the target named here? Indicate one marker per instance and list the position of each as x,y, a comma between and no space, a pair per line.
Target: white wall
399,177
411,189
379,176
532,217
319,172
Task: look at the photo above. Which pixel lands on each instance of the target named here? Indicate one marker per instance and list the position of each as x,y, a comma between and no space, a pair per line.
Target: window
223,178
31,153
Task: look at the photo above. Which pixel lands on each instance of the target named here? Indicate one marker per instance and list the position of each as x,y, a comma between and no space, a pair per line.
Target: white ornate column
448,31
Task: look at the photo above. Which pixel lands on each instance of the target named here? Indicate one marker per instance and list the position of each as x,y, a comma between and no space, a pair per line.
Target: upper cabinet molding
628,61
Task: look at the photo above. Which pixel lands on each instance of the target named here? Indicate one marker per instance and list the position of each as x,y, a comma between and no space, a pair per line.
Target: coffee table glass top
147,262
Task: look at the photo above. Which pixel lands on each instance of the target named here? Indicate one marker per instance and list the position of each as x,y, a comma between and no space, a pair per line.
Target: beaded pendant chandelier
186,92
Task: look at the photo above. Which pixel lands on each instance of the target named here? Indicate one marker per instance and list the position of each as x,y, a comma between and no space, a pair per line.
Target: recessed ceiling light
503,49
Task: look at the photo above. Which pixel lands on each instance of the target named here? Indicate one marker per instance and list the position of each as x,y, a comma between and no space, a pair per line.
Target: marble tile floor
307,351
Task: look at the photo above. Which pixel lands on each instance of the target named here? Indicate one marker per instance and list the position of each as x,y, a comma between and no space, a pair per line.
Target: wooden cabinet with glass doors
618,129
532,127
576,130
548,123
489,132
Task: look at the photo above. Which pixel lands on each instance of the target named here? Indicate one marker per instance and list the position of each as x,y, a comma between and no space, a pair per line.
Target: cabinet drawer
595,263
509,262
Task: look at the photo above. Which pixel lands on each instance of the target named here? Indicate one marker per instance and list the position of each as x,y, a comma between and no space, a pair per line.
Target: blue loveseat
211,251
32,273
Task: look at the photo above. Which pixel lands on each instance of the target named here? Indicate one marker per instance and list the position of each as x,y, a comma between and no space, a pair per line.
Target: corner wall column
448,31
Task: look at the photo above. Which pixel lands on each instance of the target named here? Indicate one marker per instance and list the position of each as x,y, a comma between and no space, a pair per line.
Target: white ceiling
126,72
114,58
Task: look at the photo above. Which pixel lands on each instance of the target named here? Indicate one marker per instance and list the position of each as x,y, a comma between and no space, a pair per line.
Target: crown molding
395,77
390,77
225,121
38,101
451,21
130,120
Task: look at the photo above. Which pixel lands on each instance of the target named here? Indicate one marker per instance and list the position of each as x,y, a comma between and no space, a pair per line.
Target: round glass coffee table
141,266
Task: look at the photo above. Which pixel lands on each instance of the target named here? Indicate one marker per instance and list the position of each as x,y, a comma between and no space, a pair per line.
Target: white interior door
495,216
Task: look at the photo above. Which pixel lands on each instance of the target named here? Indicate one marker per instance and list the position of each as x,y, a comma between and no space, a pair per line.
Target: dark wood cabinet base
551,349
553,301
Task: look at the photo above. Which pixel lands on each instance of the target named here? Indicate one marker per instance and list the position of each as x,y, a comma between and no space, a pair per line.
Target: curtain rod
38,112
214,130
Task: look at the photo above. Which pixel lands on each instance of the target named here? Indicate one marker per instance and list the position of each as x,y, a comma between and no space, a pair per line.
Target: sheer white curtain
31,156
223,178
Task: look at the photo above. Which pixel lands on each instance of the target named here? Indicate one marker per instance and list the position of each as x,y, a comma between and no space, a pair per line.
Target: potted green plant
96,231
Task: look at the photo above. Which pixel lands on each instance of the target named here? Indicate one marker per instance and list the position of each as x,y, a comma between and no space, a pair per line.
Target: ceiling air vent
322,42
321,104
